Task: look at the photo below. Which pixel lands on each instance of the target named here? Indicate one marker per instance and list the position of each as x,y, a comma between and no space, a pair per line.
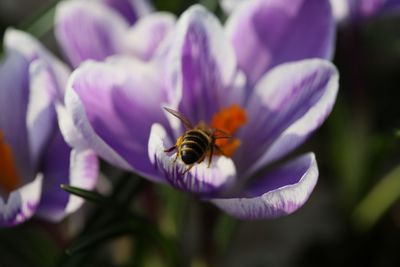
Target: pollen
9,178
229,120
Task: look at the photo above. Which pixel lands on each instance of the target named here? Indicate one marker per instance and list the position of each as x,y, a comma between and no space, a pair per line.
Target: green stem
110,221
378,201
110,232
125,189
139,251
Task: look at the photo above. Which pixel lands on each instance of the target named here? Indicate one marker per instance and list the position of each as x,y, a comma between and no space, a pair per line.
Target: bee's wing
180,116
219,134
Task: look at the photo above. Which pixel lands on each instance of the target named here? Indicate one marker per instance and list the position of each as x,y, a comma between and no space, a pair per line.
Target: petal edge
281,200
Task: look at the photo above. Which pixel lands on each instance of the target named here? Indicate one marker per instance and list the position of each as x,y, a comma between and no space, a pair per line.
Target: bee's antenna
180,116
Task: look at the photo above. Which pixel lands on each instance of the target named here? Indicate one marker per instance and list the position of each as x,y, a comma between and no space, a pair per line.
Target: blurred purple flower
264,78
97,29
345,10
34,159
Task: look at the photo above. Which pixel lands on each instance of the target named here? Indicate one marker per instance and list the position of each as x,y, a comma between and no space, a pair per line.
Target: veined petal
237,91
201,179
149,34
114,108
88,30
63,166
202,64
288,104
131,10
266,33
21,203
279,192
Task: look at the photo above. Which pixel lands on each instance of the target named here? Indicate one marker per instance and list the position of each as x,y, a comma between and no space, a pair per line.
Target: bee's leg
177,156
176,146
170,149
188,169
219,150
210,156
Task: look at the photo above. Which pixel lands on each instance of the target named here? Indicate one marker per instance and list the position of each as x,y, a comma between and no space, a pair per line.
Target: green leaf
209,4
378,201
39,24
86,194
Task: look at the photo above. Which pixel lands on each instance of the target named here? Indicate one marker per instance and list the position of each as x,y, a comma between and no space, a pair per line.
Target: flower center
229,120
9,178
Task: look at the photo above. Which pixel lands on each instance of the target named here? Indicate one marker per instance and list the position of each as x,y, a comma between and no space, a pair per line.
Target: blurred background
351,219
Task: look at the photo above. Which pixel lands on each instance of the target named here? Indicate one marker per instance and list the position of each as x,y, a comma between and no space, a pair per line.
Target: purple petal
63,166
55,172
288,104
71,134
88,30
279,192
391,5
237,91
113,108
355,10
32,50
131,10
149,34
21,203
41,113
267,33
32,79
14,95
230,5
202,64
366,8
84,171
340,9
371,7
201,179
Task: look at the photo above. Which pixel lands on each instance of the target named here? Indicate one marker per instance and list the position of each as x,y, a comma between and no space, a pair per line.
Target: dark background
351,219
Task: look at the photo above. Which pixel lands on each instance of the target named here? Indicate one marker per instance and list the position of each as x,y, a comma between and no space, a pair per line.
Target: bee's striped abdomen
194,146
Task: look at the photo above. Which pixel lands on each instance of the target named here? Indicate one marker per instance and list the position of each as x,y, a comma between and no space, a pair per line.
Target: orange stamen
229,120
9,178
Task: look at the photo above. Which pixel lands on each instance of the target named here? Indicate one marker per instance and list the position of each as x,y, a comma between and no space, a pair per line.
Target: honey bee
196,142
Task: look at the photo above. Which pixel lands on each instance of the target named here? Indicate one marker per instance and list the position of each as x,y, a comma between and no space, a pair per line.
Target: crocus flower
34,159
97,29
262,80
345,10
